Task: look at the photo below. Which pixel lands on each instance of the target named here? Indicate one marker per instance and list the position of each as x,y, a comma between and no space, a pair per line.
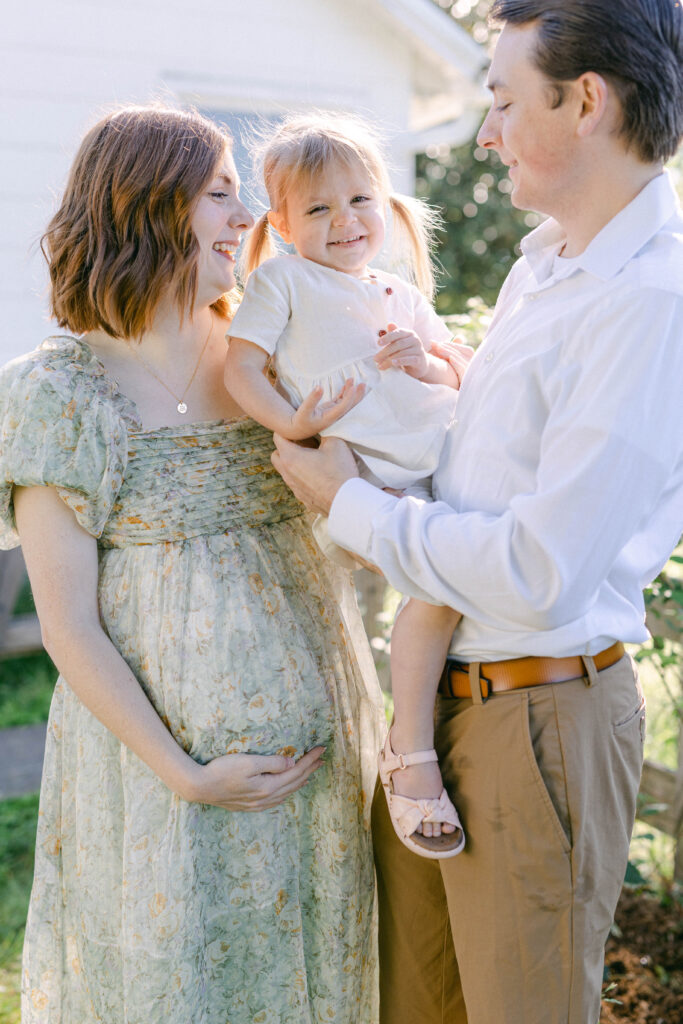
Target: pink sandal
407,813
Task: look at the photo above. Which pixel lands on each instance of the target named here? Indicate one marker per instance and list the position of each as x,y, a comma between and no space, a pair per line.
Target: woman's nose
240,217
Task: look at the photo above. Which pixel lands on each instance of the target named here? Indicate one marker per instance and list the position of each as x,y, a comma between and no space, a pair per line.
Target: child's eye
316,209
361,199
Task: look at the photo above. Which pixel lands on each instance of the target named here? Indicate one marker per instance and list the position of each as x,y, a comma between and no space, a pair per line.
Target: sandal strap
391,762
397,762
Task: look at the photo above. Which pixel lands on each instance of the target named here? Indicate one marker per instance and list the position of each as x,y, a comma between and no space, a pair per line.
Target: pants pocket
544,753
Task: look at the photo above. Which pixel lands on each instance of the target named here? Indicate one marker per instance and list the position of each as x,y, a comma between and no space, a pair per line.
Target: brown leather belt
501,676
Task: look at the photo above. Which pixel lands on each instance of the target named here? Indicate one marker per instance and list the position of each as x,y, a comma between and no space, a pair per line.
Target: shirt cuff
352,513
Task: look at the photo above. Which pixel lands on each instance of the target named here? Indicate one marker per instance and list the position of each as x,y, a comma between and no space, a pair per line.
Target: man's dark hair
637,45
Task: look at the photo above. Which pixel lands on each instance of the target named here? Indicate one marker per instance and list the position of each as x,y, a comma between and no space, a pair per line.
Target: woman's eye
502,107
219,195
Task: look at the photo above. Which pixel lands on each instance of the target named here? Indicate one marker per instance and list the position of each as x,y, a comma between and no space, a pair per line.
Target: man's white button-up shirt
559,494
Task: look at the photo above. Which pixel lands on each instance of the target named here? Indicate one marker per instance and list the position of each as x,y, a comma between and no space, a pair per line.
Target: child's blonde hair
303,146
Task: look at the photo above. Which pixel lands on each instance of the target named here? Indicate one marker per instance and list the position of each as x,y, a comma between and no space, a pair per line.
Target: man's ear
278,221
594,96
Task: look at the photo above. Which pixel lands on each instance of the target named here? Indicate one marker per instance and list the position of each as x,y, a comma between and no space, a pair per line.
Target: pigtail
258,247
415,224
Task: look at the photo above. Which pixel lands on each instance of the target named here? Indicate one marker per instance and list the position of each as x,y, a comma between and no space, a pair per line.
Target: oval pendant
182,408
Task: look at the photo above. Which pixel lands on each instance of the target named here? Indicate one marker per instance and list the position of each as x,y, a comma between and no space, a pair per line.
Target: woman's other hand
251,782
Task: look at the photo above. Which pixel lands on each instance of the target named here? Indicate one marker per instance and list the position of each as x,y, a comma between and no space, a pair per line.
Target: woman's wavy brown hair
122,235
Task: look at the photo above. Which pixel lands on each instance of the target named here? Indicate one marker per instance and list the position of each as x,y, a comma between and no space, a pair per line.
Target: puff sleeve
63,425
265,309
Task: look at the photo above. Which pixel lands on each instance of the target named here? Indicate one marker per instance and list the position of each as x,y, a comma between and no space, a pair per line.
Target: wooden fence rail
660,801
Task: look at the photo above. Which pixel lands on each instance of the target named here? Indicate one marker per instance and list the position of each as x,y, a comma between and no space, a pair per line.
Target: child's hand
312,416
403,349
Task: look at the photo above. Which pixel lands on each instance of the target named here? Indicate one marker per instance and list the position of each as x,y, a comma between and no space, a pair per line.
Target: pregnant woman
203,852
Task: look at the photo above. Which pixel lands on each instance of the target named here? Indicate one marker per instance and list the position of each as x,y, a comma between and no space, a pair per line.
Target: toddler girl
337,328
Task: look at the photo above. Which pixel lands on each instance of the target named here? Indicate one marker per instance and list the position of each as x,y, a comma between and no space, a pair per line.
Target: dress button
389,291
381,333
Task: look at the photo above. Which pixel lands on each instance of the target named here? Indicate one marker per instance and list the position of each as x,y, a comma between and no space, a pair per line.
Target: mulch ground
644,964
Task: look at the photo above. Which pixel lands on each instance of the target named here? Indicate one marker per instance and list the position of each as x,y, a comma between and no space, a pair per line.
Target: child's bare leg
419,645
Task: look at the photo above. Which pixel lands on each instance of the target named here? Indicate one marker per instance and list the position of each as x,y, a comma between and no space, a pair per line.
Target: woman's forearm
102,680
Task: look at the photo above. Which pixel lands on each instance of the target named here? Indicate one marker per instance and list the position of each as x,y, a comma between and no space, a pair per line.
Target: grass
18,819
26,683
26,686
10,992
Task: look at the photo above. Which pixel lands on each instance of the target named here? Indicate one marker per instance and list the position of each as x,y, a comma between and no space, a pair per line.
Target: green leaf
633,875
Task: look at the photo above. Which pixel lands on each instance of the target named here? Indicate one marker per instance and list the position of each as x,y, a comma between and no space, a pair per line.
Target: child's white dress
322,327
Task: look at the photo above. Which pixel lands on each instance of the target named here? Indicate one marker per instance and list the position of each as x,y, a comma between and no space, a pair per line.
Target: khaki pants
512,930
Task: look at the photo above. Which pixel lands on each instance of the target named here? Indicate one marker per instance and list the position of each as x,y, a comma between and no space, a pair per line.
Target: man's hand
315,475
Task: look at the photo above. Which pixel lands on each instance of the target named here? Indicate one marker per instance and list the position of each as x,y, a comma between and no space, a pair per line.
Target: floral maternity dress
147,909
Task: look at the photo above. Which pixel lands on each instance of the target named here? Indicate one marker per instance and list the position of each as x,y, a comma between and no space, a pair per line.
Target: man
559,497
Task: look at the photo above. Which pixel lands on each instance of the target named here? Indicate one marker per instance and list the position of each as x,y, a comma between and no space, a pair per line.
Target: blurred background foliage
481,233
481,229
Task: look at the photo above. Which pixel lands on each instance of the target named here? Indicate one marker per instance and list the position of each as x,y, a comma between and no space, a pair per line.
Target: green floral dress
147,909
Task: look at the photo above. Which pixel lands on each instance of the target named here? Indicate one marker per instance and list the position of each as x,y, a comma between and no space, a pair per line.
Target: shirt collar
618,242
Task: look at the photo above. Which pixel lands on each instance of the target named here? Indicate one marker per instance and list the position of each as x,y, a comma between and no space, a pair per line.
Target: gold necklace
180,399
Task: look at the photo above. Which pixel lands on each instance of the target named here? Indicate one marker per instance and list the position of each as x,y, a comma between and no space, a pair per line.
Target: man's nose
488,134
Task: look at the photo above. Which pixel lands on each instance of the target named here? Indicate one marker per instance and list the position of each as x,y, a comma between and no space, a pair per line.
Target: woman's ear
594,96
278,221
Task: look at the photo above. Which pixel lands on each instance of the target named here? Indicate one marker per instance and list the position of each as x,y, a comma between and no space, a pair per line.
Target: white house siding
63,62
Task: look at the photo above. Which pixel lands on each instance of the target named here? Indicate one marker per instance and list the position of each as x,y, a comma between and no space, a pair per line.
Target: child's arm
248,385
404,348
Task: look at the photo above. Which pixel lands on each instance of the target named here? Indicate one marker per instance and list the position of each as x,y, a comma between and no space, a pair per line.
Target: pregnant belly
233,656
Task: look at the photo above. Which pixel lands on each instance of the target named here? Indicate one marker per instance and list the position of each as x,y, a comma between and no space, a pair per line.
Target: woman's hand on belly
250,782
